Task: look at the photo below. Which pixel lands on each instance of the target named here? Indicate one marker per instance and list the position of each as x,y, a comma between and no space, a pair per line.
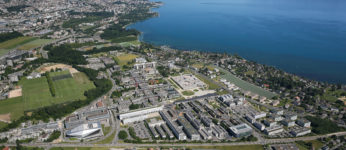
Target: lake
304,37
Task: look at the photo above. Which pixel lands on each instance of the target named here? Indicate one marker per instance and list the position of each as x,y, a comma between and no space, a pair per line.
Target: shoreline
313,76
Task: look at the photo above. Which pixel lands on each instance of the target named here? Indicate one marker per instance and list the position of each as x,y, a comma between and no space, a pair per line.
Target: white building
300,132
84,131
140,115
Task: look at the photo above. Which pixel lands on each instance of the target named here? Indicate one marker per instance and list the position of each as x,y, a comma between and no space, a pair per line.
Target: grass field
107,140
16,42
106,130
2,124
130,43
211,85
6,46
79,148
13,105
36,94
34,44
125,59
246,85
188,93
241,147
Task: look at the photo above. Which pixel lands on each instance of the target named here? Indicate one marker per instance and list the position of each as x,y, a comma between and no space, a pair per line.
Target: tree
122,135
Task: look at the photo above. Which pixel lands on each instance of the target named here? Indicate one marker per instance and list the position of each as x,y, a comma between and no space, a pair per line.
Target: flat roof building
241,130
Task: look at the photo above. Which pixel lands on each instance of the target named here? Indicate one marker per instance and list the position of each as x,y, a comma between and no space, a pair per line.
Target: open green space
6,46
36,94
35,43
2,124
211,85
188,93
15,106
125,59
333,96
245,85
106,130
130,43
79,148
240,147
107,140
13,43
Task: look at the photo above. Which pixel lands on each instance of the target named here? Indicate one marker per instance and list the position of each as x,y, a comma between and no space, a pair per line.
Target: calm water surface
305,37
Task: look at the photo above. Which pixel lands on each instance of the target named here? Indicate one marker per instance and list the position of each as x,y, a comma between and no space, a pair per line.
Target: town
73,75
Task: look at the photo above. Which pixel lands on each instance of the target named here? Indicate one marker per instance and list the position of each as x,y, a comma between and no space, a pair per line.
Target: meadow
246,85
34,44
36,93
6,46
124,59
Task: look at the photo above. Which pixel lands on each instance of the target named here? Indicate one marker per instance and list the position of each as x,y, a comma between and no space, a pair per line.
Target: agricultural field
36,93
124,59
34,44
246,85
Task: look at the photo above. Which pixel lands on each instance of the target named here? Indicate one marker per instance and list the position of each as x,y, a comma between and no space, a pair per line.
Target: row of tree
50,84
10,35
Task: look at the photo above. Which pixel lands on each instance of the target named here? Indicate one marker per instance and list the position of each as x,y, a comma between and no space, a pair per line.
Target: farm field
34,44
125,58
246,85
36,93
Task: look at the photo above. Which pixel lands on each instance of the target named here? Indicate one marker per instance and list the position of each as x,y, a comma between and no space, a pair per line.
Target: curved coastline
304,66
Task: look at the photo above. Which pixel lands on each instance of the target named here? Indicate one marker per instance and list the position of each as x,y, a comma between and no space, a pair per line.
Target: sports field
34,44
36,93
125,58
245,85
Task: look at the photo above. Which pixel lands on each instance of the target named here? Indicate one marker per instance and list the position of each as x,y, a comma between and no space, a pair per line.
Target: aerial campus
73,76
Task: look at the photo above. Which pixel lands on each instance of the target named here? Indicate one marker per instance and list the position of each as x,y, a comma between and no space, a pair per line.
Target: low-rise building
241,130
273,130
303,123
300,132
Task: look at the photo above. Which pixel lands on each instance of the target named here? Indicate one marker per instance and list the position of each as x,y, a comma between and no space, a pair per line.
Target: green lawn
106,130
130,43
240,147
125,59
211,85
107,140
2,124
79,148
246,85
13,43
34,44
15,106
188,93
36,94
332,96
6,46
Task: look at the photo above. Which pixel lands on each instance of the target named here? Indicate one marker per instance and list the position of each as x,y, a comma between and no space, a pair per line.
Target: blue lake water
305,37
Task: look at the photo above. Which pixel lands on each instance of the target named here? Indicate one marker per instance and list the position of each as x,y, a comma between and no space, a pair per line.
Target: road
267,141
